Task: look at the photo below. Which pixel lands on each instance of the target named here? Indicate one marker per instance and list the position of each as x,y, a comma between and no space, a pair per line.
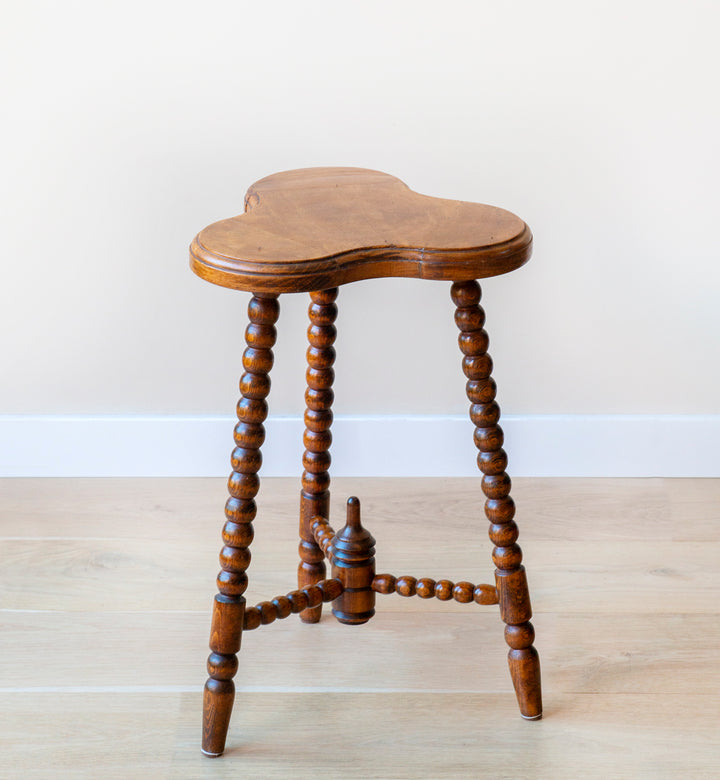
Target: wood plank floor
105,593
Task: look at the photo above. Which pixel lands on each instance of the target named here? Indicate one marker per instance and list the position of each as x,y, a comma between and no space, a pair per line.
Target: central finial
353,513
353,557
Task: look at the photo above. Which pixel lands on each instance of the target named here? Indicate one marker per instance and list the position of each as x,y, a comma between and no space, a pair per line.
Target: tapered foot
218,698
525,672
523,658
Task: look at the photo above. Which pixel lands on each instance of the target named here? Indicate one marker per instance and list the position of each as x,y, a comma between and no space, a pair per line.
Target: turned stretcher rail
296,601
323,533
426,588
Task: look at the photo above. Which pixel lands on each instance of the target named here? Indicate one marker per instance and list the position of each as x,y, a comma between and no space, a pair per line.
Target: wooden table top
317,228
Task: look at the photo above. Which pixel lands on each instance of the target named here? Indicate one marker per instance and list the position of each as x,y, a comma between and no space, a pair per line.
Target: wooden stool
310,231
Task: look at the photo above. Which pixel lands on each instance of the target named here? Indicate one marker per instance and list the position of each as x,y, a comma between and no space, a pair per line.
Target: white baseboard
420,446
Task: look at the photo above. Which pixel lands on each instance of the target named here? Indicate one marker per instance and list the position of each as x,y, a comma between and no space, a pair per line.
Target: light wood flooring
105,595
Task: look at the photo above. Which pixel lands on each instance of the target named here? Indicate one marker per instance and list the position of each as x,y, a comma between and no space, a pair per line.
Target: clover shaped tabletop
317,228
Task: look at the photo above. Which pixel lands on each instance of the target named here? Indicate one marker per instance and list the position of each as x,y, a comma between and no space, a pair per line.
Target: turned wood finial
353,514
353,562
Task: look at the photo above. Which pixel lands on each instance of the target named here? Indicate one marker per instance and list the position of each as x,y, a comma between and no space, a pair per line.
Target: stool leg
500,509
315,494
229,604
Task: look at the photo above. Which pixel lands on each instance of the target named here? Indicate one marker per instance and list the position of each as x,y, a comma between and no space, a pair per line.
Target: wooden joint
426,588
296,601
512,587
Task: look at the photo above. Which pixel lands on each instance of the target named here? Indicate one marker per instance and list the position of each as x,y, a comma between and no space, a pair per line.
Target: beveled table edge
358,264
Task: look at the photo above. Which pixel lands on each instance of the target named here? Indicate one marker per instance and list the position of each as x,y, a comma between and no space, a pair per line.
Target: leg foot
218,698
524,663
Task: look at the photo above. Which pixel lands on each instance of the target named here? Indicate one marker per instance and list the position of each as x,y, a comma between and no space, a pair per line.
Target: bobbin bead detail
317,439
240,509
512,589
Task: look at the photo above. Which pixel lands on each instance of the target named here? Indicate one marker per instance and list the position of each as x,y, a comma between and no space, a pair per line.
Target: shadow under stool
313,230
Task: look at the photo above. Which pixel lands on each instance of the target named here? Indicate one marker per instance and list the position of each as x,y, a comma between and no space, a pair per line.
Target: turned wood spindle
315,494
296,601
510,576
323,534
427,588
352,554
240,509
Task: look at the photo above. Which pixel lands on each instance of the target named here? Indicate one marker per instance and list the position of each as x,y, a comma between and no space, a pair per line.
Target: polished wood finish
317,228
240,509
427,588
296,601
313,230
323,534
352,552
315,494
512,587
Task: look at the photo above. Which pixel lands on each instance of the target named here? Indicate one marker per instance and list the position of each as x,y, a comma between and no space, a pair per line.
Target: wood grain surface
317,228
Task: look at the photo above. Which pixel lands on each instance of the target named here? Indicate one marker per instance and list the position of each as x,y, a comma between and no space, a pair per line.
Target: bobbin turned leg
315,494
500,509
229,605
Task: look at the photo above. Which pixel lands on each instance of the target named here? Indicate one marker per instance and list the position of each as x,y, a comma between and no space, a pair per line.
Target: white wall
129,126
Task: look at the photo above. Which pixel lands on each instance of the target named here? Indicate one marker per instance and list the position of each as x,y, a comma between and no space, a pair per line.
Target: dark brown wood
240,509
313,230
426,588
353,562
282,606
315,494
499,507
317,228
323,534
